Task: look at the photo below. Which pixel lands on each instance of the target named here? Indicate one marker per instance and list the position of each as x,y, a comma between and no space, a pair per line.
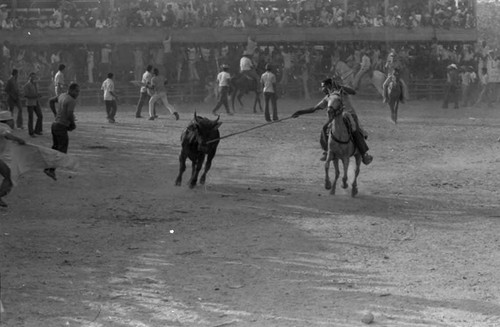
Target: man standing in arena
14,98
452,86
159,90
110,98
59,85
64,122
145,90
32,96
223,79
268,79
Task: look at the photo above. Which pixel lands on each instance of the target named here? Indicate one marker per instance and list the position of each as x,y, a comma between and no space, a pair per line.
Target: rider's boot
359,141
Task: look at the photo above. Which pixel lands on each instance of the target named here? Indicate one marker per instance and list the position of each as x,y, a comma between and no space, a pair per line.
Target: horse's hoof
354,191
328,185
177,182
332,191
202,181
192,185
344,186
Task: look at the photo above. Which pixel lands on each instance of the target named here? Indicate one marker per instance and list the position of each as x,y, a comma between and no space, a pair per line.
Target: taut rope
248,130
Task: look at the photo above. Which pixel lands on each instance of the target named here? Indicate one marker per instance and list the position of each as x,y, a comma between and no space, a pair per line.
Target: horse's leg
392,106
182,168
233,96
396,107
345,164
196,170
240,95
337,174
208,164
354,190
328,183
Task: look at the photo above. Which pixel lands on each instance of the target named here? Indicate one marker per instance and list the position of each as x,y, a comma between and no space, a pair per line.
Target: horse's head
335,104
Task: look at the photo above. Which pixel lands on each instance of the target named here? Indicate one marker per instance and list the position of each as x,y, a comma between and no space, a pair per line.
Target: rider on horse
329,86
394,78
247,68
393,65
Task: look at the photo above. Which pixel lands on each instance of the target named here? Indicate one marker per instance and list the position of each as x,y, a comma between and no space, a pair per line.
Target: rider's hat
246,53
224,66
452,66
269,67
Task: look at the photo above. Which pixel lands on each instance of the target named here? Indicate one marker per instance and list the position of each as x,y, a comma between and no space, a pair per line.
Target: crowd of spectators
245,13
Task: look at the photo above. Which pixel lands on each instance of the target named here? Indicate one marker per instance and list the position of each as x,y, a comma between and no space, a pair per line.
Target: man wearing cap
268,80
247,68
159,93
452,86
223,79
329,86
31,94
13,97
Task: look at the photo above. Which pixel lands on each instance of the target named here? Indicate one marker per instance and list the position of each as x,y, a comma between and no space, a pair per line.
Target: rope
248,130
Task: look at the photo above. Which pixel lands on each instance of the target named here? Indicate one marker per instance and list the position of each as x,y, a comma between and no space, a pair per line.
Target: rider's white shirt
245,64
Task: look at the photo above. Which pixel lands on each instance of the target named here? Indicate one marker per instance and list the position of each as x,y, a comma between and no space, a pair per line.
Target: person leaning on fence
223,79
14,97
6,124
65,121
159,90
452,86
33,105
268,80
145,92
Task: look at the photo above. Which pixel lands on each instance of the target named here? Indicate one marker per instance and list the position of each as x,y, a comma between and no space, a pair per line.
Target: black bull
195,146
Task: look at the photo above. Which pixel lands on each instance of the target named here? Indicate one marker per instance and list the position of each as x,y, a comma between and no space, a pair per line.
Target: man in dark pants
452,86
144,95
329,86
65,121
13,97
32,96
223,79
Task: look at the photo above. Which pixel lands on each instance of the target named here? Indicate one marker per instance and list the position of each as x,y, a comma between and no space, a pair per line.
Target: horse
394,96
242,84
340,145
346,73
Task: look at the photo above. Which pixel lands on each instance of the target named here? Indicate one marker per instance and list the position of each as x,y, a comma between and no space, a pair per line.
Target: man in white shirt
59,83
145,90
247,69
159,92
108,86
223,79
268,79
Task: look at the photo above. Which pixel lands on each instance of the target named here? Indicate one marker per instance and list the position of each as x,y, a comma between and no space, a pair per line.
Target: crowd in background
246,13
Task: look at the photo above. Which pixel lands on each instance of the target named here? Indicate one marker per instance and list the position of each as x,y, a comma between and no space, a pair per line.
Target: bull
198,140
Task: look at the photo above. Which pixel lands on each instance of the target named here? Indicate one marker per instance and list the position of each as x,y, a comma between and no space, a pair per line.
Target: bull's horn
195,116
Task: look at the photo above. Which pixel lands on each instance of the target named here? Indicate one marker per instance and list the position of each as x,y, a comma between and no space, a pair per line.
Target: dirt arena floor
262,243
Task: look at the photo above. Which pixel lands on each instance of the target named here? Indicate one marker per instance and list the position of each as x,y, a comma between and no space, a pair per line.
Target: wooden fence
91,94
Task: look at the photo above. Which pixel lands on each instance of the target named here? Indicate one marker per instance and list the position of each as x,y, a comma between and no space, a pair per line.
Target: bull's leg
196,170
182,168
354,190
337,174
208,164
345,163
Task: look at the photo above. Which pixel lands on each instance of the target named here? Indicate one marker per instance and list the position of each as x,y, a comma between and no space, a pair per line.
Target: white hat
5,115
3,5
453,66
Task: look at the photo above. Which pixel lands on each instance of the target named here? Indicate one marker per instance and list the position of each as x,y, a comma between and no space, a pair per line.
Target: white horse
341,69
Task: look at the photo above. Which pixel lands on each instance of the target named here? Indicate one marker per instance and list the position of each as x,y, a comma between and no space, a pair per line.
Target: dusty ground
263,243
